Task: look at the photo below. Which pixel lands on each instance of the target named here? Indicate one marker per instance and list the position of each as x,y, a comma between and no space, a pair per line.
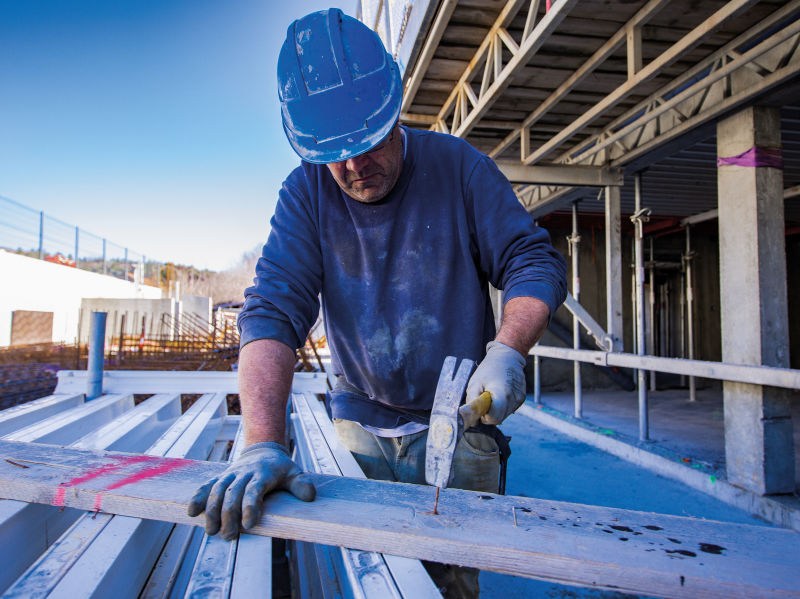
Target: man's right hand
233,499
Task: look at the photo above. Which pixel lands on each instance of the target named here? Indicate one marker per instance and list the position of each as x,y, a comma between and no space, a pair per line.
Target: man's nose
357,163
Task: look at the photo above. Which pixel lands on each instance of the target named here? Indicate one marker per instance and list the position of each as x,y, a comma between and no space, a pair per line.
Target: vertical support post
97,340
537,380
682,319
105,264
690,310
651,333
759,448
574,245
639,217
614,325
125,276
77,238
121,349
41,235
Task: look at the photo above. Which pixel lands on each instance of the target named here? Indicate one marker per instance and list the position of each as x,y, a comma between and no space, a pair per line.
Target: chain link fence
32,233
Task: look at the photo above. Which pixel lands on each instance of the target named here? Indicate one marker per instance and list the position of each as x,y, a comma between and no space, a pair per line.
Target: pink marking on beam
152,471
122,461
59,498
98,502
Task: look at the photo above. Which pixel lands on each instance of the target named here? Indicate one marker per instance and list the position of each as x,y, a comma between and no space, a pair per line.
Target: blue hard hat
339,89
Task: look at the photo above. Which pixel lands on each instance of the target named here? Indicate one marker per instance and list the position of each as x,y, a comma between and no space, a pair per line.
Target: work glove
501,374
237,493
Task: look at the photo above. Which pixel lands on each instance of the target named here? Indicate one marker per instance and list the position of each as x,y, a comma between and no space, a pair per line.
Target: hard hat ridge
339,89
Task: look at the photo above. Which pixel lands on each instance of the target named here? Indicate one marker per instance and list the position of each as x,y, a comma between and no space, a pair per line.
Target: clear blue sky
153,124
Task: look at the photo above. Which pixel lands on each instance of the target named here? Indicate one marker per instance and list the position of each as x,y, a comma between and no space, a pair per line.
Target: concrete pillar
759,449
614,267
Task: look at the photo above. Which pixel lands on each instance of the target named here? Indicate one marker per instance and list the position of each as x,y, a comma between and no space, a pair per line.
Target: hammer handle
472,411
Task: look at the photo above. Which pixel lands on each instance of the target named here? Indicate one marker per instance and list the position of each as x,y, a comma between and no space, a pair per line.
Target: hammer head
446,427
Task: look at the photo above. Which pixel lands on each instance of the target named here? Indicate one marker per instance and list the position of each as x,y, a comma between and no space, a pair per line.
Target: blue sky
153,124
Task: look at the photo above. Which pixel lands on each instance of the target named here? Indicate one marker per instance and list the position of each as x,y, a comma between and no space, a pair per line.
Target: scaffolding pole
639,218
574,244
689,310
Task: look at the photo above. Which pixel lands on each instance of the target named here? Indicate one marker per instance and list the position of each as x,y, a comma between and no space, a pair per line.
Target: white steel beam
67,426
27,529
369,574
560,174
586,69
431,43
17,417
502,75
601,338
690,100
685,44
707,106
105,555
721,371
139,381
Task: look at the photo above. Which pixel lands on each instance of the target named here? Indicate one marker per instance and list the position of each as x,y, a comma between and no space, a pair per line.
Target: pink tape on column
755,156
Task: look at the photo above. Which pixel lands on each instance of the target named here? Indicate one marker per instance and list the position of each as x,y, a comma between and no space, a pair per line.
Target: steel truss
718,84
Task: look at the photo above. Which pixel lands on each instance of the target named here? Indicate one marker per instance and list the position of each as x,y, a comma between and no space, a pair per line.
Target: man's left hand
501,374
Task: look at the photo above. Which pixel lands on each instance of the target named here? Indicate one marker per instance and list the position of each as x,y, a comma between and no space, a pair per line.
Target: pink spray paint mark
121,462
150,472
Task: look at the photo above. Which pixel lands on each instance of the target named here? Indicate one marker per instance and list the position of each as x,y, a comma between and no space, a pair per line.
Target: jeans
476,467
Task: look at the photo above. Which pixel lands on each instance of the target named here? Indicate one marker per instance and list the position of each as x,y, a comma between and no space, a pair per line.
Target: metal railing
35,234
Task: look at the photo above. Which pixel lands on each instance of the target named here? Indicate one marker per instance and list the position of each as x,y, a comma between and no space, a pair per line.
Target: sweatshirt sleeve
516,255
283,302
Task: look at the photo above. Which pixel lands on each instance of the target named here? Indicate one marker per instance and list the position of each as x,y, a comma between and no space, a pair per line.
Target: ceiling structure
615,87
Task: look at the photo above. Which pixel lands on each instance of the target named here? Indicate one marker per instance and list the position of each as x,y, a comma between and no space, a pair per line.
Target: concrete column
614,267
759,449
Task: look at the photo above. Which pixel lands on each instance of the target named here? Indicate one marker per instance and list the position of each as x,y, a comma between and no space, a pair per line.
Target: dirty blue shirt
403,281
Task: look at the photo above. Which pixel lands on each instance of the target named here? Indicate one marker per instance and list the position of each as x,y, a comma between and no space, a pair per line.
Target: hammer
449,421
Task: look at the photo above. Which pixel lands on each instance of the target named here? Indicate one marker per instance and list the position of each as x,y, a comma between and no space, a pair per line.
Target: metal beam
601,338
520,58
586,69
560,174
682,46
699,218
721,371
655,105
428,50
607,147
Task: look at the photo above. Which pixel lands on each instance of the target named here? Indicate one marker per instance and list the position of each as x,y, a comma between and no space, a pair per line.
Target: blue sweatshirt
403,281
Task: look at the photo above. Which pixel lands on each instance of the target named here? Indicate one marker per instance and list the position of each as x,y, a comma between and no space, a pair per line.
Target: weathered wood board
593,546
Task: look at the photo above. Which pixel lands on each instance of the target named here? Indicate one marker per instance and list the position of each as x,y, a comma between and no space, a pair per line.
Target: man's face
371,176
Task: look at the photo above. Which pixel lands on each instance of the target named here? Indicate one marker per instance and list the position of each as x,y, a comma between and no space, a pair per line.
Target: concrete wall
197,305
158,315
31,284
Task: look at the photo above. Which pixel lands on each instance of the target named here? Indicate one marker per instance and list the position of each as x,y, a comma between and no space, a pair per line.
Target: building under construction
659,143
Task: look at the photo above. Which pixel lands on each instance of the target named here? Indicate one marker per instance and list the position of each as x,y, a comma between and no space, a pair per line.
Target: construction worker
399,232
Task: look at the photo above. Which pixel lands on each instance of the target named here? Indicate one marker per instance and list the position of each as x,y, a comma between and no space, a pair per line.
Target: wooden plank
576,544
103,555
149,381
17,417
